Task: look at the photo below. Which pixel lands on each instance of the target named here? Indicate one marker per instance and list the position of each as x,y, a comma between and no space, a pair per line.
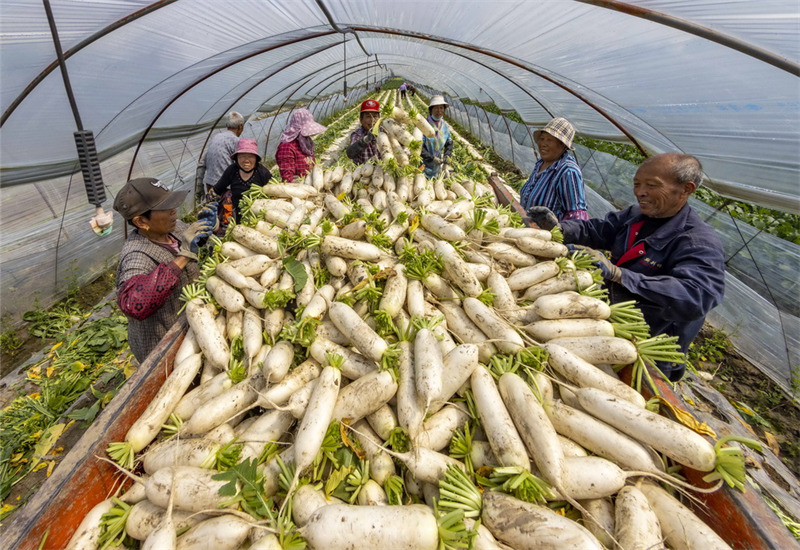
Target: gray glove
194,236
368,138
610,271
543,217
437,160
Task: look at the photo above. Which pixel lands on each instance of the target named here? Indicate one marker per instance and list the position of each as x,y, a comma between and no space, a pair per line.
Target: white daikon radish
525,525
681,528
637,526
506,443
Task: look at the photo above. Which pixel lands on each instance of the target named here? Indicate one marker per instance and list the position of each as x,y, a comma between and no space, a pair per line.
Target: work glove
194,236
543,217
209,213
610,271
368,138
437,160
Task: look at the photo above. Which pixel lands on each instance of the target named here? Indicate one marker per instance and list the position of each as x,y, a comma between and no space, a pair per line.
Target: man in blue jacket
661,253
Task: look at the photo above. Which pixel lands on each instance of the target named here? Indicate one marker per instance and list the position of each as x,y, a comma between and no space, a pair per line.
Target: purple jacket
677,275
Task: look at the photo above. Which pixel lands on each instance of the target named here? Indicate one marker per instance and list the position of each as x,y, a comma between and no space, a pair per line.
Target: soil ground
773,415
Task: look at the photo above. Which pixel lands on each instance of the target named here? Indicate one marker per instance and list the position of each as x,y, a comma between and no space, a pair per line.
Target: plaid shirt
359,153
292,162
559,187
220,148
148,288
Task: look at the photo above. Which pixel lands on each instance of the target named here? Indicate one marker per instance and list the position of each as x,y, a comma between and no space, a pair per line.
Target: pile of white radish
368,348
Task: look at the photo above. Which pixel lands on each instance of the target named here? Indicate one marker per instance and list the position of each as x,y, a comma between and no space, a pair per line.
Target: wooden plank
504,197
81,481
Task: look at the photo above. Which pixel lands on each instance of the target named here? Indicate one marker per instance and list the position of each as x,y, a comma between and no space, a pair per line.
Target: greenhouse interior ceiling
152,81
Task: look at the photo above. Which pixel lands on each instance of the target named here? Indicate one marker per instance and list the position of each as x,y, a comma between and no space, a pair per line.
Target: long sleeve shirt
359,152
148,290
440,146
231,179
292,162
559,187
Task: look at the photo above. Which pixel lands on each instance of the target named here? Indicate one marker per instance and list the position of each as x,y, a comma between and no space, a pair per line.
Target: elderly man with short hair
220,148
661,253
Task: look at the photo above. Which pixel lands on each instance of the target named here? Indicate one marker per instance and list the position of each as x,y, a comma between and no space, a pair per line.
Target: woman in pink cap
295,154
245,171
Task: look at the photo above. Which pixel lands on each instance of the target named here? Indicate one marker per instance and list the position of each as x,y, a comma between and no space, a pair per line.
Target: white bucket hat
437,100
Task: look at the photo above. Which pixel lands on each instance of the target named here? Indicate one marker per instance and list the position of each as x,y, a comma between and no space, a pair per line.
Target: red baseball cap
370,105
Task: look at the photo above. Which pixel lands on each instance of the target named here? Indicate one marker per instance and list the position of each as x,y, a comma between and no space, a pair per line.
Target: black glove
543,217
193,237
610,271
368,138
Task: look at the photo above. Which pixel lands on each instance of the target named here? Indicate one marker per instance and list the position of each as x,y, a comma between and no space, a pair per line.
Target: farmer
362,143
157,261
436,150
245,171
220,149
662,254
556,181
295,154
403,88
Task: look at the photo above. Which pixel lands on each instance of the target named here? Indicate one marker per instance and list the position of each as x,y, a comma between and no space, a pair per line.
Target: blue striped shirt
559,187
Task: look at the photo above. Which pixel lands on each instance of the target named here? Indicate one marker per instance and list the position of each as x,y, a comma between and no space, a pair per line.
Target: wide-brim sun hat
246,145
370,106
305,120
561,129
141,195
437,100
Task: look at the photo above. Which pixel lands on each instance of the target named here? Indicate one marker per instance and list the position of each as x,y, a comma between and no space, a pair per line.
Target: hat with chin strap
144,194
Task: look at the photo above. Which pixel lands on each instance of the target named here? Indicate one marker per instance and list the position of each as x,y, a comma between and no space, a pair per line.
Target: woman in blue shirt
556,181
436,150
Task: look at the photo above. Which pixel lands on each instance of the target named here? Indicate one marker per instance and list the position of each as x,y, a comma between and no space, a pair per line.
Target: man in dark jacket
661,253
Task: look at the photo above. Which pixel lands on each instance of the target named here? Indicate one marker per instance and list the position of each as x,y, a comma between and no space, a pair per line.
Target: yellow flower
35,395
50,370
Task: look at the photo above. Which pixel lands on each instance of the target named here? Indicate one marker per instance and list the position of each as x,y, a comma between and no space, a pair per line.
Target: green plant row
83,359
